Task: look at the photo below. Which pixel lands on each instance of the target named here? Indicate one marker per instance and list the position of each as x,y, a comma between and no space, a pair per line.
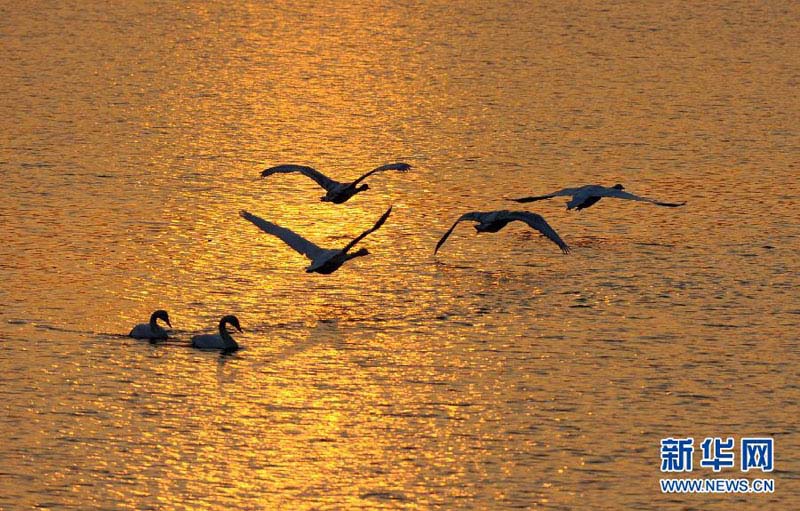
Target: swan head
230,320
618,187
162,315
362,188
359,253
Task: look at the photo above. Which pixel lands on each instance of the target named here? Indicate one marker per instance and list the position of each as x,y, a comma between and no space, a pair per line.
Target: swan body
325,261
494,221
585,196
222,340
336,191
152,330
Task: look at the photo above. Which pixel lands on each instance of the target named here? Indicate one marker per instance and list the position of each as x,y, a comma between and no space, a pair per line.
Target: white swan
493,221
323,260
336,192
222,340
585,196
152,330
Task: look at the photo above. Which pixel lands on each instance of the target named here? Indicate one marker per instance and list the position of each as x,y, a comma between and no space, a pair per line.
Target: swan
336,192
585,196
323,260
222,340
493,221
152,330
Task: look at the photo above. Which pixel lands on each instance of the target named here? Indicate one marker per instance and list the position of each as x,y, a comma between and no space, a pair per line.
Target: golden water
499,374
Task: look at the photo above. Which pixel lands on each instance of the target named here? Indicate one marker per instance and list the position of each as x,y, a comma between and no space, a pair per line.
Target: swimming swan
323,260
493,221
222,340
152,330
337,192
585,196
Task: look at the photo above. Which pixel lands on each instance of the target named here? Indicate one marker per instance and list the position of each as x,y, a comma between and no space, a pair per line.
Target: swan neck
226,336
353,255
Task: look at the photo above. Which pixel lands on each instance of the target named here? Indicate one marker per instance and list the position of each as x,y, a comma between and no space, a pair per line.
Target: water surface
500,374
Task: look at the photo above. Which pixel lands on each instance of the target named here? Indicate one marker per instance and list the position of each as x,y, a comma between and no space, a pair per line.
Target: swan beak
240,330
168,323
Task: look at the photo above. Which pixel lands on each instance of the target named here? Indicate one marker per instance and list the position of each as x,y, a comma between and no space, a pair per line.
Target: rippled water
499,374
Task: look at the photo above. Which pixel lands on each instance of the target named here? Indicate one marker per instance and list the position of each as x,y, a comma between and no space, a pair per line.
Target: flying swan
336,192
152,330
585,196
222,340
493,221
323,260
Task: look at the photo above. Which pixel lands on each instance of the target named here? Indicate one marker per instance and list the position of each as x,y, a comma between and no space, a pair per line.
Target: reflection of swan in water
325,333
322,260
590,240
152,330
585,196
222,340
337,192
493,221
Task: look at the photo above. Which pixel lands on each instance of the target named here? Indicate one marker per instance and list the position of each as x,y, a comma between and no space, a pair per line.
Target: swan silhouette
493,221
152,330
585,196
336,192
323,260
222,340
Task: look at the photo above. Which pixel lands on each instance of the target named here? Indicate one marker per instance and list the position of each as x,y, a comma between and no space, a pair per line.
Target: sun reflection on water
498,373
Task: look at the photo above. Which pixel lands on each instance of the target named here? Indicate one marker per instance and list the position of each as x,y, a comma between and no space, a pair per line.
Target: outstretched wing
474,216
539,223
402,167
320,178
566,192
295,241
372,229
619,194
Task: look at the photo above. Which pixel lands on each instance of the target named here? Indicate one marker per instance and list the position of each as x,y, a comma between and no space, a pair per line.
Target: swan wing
372,229
289,237
620,194
208,341
402,167
143,331
566,192
539,223
474,216
320,178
